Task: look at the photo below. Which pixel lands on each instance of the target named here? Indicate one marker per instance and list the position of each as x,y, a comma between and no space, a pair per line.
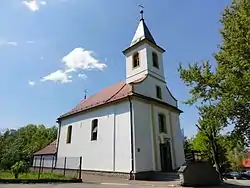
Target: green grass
33,175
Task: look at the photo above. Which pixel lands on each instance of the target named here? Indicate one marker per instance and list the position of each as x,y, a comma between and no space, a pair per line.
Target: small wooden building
45,157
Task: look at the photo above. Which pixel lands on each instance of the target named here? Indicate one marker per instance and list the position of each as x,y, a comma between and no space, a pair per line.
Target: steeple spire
141,11
142,31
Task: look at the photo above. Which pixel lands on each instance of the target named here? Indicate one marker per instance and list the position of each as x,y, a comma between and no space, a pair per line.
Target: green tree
233,70
19,145
201,144
222,95
188,145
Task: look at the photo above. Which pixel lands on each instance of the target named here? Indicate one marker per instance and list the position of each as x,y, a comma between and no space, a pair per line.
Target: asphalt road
80,185
234,184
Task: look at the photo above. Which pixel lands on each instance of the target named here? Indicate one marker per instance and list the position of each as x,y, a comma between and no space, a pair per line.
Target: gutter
58,138
132,177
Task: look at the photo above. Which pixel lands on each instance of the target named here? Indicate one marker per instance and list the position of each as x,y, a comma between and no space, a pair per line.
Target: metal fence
194,156
63,166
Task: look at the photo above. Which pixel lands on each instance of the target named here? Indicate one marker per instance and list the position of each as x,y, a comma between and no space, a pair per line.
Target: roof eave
141,42
91,108
38,154
157,101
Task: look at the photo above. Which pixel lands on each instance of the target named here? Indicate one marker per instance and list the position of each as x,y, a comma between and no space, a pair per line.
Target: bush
18,168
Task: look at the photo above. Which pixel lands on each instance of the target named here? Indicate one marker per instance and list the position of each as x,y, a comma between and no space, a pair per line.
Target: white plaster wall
169,122
133,74
46,161
122,138
178,140
148,88
158,72
143,136
36,160
103,154
146,63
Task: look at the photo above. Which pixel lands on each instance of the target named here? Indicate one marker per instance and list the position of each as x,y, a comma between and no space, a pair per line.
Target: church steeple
142,32
143,56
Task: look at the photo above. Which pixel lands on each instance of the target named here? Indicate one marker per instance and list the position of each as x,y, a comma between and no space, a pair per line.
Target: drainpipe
132,177
58,138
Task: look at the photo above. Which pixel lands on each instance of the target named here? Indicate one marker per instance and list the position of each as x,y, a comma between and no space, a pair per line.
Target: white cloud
12,43
58,76
80,58
82,76
34,5
32,83
77,60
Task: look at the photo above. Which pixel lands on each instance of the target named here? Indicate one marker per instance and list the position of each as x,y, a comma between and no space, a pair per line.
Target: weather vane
85,93
141,11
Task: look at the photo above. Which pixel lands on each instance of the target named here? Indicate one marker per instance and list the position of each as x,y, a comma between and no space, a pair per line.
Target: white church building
132,126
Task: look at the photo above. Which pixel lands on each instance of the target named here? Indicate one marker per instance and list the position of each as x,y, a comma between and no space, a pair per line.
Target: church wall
111,150
122,138
148,88
133,74
173,132
143,138
179,140
158,72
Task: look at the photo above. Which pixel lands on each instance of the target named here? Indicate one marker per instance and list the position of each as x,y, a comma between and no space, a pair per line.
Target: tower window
136,60
158,92
162,123
155,60
69,134
94,128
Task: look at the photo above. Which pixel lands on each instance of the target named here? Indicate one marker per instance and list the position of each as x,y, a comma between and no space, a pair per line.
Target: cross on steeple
85,93
141,11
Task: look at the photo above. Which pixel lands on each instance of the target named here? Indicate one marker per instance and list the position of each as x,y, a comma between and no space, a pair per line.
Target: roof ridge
124,84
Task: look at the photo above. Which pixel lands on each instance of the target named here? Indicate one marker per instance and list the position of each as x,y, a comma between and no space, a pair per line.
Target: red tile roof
246,163
48,150
113,93
110,94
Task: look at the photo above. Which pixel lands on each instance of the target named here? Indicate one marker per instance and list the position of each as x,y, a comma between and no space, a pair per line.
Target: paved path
101,185
128,184
83,185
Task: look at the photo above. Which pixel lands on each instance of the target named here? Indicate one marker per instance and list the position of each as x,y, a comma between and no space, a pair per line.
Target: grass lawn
33,175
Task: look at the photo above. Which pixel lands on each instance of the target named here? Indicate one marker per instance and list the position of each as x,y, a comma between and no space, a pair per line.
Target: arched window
136,60
158,92
162,123
69,134
155,60
94,129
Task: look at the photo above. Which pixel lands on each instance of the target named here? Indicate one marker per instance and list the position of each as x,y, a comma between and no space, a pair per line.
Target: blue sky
39,40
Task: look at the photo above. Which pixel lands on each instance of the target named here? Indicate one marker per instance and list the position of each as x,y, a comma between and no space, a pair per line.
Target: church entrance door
166,160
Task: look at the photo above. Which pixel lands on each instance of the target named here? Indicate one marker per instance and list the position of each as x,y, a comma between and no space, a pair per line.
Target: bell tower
143,56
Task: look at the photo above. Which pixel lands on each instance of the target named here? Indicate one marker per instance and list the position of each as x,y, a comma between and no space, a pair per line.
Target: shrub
17,168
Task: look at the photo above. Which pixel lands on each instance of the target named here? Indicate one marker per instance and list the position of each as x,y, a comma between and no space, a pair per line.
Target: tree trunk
215,157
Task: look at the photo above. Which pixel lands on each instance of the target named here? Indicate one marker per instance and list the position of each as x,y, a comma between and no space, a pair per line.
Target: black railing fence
194,156
63,166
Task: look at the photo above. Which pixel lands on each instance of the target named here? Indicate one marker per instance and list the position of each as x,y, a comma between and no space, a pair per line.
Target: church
129,127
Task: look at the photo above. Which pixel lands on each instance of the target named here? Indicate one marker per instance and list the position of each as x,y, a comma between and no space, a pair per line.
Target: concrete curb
131,183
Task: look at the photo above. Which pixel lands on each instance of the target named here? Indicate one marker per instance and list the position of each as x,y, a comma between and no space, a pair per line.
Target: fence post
80,170
42,164
64,168
52,164
40,167
34,163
